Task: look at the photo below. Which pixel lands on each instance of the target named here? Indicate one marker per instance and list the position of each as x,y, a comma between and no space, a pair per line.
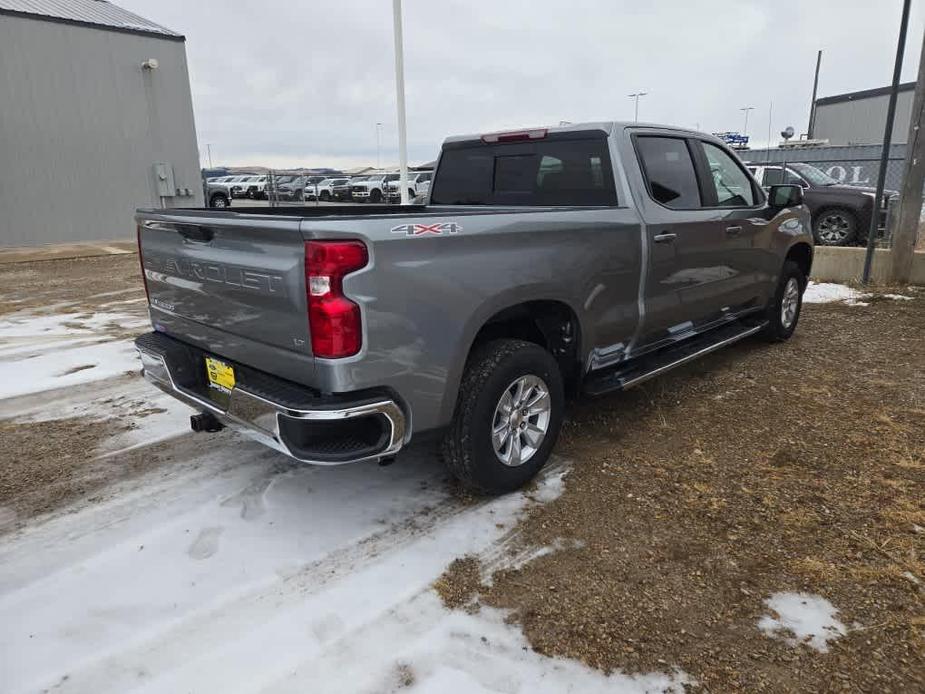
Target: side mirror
785,195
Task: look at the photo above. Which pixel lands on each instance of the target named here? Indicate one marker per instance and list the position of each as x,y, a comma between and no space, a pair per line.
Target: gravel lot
753,522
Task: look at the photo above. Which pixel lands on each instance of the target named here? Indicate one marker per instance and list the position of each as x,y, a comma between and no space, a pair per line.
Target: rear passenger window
732,184
669,171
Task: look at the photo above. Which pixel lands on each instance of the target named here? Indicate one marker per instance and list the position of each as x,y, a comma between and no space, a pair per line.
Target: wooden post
910,201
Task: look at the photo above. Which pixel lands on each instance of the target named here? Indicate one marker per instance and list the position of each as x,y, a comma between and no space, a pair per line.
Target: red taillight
518,136
333,319
141,263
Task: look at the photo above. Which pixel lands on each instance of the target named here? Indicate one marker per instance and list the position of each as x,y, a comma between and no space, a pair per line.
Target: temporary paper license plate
221,375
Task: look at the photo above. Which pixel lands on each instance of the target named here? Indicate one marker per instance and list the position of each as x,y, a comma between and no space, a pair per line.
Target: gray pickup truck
580,259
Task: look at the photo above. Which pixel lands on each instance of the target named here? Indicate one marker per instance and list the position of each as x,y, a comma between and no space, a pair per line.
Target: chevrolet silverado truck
840,213
547,263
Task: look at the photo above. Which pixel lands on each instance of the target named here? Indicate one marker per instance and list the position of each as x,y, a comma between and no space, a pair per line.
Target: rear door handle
664,238
733,231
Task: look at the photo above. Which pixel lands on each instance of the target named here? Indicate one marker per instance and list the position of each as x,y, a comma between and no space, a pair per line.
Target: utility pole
910,198
400,98
209,150
812,105
378,145
887,140
746,109
636,109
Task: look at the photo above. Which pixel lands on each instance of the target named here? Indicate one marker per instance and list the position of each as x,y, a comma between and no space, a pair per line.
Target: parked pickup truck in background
578,259
417,184
371,189
840,213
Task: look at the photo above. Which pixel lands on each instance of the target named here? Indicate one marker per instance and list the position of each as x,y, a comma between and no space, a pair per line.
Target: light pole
400,98
209,150
378,145
636,96
746,109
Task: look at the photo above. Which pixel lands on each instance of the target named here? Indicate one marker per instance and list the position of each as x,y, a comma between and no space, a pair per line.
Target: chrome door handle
664,238
733,231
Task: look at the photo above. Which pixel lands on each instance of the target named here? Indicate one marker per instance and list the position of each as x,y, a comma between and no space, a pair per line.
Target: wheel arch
550,323
801,253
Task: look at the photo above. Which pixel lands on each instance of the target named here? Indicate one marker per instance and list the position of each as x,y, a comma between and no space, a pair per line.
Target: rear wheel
218,200
784,310
326,195
835,227
508,416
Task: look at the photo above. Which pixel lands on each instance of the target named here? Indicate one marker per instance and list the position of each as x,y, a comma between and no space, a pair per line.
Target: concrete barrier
834,264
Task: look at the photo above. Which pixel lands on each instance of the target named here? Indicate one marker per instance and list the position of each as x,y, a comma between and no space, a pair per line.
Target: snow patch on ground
59,369
828,292
41,352
459,653
239,570
549,488
802,618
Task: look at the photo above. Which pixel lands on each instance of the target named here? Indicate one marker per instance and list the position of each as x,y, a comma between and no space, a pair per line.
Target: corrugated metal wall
81,124
857,165
861,121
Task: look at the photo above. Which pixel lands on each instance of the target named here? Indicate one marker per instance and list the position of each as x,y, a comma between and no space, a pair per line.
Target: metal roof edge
863,94
94,25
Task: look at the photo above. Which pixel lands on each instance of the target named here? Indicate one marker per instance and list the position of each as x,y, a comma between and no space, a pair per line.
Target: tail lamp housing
334,321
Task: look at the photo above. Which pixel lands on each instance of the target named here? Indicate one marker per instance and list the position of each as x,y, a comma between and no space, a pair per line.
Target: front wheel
218,200
375,196
326,196
508,416
784,309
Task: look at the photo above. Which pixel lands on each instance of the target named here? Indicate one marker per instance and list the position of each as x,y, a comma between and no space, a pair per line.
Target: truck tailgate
241,277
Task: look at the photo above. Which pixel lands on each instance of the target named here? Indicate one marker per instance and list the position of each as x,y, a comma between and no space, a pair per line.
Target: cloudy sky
304,83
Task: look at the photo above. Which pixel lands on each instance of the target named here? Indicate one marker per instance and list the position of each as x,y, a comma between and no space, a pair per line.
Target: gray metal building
858,118
96,119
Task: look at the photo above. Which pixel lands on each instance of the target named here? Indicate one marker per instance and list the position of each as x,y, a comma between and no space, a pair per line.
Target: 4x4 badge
424,229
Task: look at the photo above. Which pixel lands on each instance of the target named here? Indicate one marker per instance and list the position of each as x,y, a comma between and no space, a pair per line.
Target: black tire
467,447
778,328
835,226
326,196
218,200
375,196
410,195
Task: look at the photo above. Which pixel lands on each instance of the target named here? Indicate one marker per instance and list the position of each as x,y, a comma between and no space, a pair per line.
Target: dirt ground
68,284
63,462
765,468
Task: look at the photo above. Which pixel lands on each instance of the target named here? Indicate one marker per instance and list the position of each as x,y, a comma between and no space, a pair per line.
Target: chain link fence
852,165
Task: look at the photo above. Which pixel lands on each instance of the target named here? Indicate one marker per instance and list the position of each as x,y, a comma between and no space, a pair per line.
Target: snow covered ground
232,569
828,292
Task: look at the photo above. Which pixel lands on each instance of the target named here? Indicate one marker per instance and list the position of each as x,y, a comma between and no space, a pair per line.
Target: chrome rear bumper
267,421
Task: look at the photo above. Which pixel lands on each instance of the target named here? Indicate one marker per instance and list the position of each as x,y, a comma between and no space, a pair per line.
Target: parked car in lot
236,185
326,187
310,186
255,187
371,189
416,185
341,191
217,195
840,213
274,183
580,259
